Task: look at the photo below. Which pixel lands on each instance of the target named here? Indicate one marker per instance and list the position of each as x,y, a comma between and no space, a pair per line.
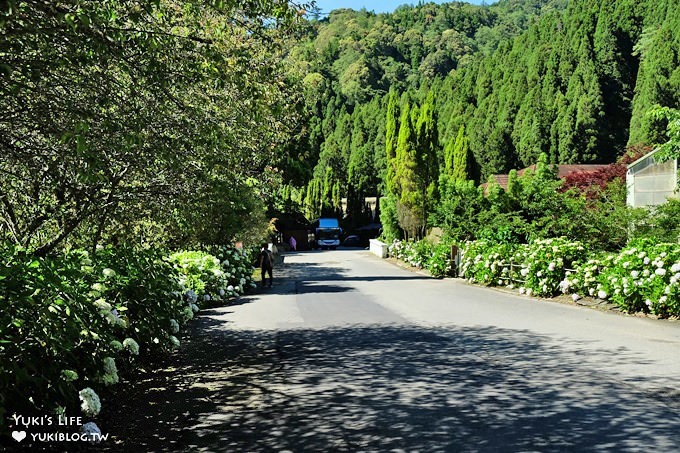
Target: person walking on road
266,265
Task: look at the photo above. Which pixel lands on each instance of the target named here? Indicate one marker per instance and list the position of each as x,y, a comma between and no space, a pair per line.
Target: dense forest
393,101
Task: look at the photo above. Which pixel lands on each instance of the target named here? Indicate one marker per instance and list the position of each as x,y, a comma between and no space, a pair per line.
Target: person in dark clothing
266,265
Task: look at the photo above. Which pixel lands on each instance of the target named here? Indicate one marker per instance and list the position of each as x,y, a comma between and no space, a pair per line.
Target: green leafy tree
461,157
121,112
670,149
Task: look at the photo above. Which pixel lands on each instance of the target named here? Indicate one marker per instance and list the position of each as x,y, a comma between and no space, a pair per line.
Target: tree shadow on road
384,388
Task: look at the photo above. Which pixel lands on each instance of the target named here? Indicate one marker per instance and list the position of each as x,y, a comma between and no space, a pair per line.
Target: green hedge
424,255
644,277
641,278
74,324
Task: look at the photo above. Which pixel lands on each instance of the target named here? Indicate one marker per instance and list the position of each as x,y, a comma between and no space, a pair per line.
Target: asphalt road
348,352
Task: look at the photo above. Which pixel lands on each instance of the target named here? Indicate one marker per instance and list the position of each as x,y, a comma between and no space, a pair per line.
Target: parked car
352,241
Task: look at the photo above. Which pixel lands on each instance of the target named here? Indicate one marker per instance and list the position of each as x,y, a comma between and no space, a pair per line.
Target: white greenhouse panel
651,183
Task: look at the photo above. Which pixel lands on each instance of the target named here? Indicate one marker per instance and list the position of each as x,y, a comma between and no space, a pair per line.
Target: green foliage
439,262
416,166
643,277
358,64
662,224
428,145
70,312
509,81
535,207
459,209
658,78
670,149
213,278
73,320
436,259
312,202
135,114
461,157
388,219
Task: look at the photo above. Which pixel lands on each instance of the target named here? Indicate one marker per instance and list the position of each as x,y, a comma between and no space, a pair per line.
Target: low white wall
378,248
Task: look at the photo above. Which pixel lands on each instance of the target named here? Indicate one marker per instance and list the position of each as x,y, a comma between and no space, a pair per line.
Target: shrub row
423,255
71,325
643,277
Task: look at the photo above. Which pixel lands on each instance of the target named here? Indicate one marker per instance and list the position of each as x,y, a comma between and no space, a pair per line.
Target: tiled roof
562,171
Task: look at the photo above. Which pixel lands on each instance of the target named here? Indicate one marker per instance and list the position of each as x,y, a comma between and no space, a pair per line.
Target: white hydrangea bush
489,263
644,277
545,262
215,278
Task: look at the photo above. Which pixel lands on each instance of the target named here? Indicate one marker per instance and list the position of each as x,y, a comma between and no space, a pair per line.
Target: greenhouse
651,183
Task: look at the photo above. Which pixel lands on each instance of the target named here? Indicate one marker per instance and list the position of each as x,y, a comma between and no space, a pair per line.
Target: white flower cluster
108,273
131,345
90,404
109,313
407,252
191,296
634,279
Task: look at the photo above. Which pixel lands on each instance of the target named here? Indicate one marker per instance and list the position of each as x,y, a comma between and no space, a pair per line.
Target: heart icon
19,435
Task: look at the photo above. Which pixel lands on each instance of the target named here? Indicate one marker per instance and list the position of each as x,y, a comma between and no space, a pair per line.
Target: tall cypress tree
405,159
337,201
448,156
428,143
658,81
391,131
410,198
461,157
327,207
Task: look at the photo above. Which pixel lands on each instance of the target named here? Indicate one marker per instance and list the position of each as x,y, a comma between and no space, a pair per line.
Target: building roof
642,158
562,172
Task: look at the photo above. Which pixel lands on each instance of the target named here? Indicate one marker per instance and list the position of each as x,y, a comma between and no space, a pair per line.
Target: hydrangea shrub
486,262
644,277
423,255
76,323
544,263
218,277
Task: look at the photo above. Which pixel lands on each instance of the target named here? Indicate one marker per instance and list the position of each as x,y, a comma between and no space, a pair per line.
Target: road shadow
304,277
389,388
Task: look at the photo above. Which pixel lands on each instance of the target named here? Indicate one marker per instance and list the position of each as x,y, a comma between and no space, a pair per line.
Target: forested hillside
497,85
